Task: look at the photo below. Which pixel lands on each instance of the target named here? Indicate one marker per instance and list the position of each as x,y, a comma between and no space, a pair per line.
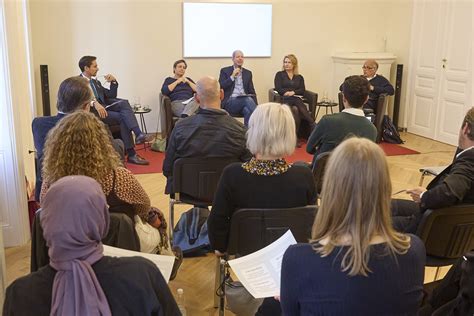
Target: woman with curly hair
80,145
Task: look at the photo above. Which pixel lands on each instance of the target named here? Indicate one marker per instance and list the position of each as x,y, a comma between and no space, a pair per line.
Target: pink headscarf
74,219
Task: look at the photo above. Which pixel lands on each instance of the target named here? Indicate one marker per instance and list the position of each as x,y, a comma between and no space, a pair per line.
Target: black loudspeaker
398,91
45,90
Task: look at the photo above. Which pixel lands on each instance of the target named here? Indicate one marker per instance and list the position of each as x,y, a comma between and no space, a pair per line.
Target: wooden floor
196,275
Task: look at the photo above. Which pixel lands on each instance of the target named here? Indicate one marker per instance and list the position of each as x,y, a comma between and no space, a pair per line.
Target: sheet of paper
188,100
298,96
164,263
260,271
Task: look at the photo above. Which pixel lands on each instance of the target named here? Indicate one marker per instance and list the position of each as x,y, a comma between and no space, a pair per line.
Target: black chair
254,229
447,233
379,114
168,120
121,234
195,182
319,168
310,98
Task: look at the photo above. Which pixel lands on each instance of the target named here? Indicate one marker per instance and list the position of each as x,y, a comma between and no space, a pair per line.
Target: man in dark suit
112,110
74,94
333,129
239,94
455,185
378,84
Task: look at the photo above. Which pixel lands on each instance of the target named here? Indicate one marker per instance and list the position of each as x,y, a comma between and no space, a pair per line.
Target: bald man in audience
455,185
378,83
212,132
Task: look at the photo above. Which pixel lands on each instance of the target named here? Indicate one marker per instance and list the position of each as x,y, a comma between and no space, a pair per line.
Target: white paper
188,100
164,263
108,106
260,271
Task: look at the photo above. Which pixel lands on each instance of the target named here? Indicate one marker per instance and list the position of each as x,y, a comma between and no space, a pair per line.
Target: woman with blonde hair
80,145
356,263
290,86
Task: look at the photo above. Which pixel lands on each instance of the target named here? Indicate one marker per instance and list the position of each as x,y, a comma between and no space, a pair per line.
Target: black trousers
406,215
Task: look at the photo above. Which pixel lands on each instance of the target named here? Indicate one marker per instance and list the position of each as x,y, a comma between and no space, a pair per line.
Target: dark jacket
455,185
228,84
104,96
209,133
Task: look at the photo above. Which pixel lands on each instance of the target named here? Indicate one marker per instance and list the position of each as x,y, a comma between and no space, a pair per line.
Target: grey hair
237,51
271,131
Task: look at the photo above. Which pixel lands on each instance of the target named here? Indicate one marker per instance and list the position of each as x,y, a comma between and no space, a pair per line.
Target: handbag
159,145
239,300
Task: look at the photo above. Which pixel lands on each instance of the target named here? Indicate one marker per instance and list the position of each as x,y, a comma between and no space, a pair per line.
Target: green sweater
333,129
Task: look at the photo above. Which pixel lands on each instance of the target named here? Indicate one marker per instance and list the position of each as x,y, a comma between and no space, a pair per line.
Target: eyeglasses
367,67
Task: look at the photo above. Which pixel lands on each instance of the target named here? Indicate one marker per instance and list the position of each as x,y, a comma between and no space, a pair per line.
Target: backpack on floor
389,131
190,233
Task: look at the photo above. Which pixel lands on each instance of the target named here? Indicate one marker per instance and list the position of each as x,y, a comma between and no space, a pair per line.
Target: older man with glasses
378,84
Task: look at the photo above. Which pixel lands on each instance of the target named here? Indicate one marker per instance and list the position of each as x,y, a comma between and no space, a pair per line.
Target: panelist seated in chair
74,94
112,110
79,145
212,132
289,84
332,129
240,97
180,89
79,279
455,185
355,262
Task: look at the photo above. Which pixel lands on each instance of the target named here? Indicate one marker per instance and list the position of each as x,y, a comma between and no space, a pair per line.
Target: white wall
138,41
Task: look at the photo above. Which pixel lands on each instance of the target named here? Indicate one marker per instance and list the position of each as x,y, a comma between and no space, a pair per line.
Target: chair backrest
273,96
319,168
167,121
448,232
253,229
341,101
198,177
121,234
380,112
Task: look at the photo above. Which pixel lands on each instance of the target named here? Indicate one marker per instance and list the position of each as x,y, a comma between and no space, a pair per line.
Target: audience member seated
239,94
80,280
267,180
74,94
212,132
455,185
355,264
180,89
112,110
290,86
79,145
331,130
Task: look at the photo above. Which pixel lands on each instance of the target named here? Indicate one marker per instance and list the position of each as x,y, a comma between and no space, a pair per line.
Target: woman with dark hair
79,279
356,263
290,86
180,89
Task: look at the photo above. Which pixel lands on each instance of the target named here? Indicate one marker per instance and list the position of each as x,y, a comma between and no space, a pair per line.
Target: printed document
164,263
188,100
260,271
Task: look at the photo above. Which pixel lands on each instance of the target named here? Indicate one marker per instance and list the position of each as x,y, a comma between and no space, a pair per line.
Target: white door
456,72
428,25
442,68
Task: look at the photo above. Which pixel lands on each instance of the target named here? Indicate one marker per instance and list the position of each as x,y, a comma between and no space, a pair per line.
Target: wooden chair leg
171,219
217,282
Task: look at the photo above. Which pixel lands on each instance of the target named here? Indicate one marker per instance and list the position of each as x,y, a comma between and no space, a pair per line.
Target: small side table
141,113
326,105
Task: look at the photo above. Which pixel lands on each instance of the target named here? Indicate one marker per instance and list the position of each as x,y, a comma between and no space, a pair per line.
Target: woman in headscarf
79,279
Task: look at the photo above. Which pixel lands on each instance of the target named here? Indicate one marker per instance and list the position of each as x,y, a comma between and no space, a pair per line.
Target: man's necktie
94,90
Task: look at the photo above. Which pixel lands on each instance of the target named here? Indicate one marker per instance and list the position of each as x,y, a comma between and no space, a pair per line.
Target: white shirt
354,111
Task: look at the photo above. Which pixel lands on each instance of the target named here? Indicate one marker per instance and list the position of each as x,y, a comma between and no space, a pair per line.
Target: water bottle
180,301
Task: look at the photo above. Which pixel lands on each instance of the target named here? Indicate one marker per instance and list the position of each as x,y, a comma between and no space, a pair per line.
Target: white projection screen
217,29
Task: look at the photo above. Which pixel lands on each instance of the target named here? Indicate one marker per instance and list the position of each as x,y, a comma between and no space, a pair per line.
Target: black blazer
452,186
228,84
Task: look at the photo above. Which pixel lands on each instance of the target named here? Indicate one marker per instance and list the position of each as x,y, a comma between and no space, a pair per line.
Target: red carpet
300,154
155,158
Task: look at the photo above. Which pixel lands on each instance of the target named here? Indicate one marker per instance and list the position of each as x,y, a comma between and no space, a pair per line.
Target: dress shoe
143,138
137,160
